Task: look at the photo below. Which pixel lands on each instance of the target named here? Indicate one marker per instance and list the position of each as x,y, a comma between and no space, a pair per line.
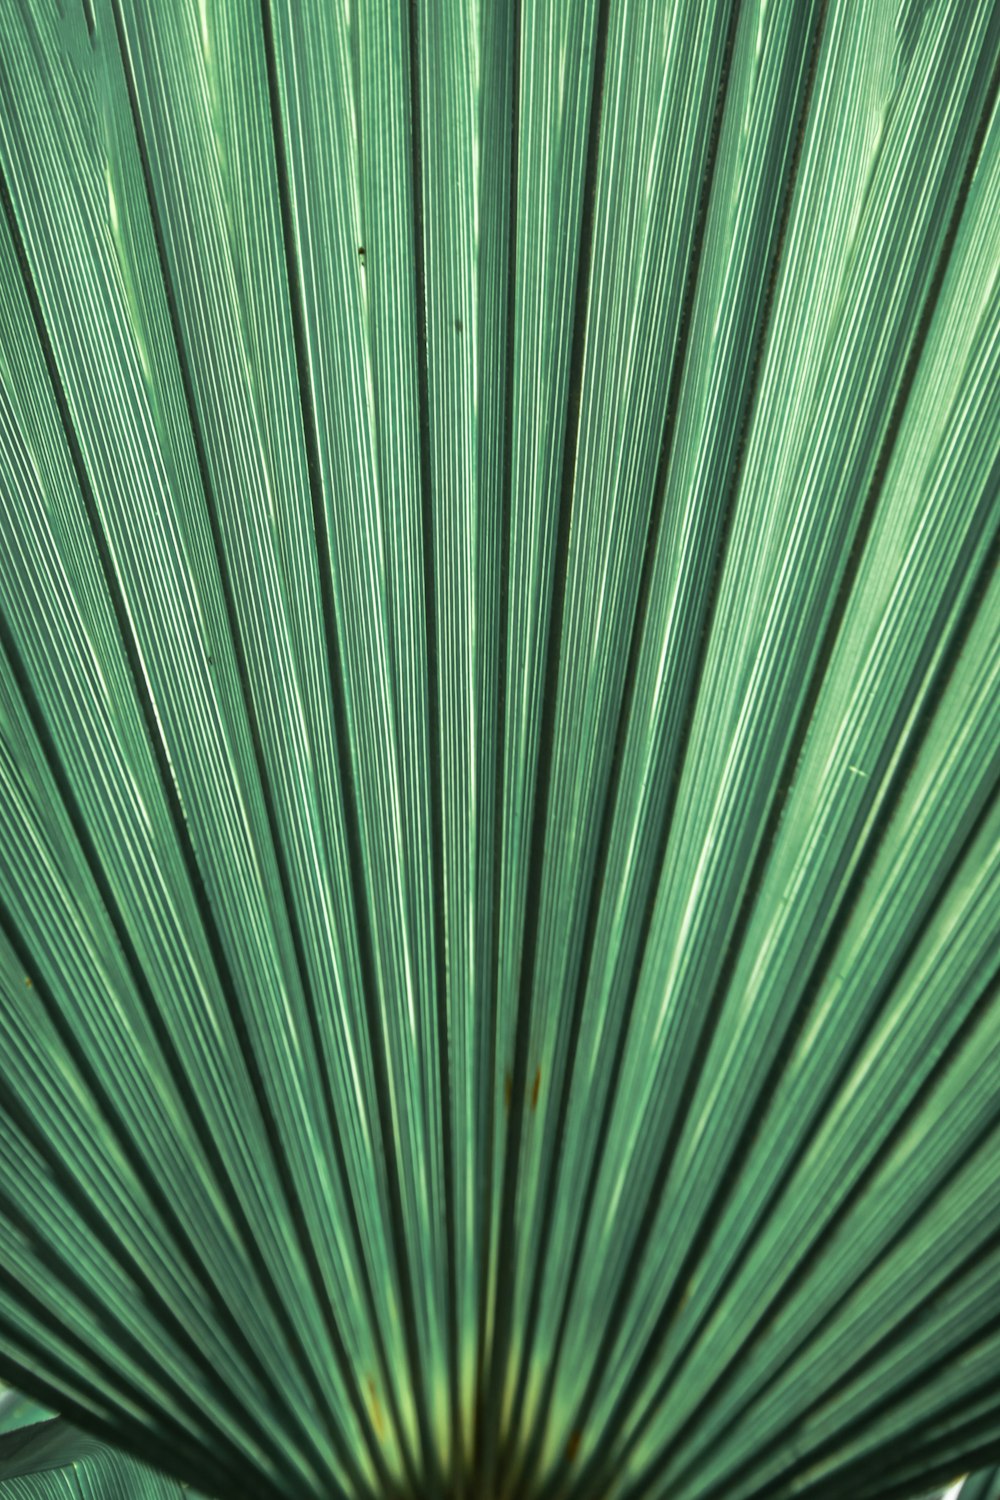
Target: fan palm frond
499,708
982,1486
47,1458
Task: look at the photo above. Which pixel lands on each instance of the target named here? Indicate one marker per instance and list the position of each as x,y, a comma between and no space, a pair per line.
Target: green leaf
499,698
18,1411
982,1486
51,1459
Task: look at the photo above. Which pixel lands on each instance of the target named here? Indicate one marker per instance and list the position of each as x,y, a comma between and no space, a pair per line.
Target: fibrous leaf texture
499,721
45,1458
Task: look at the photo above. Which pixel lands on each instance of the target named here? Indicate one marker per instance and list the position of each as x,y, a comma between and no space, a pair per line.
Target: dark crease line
435,766
546,737
483,1443
79,823
793,753
296,1208
653,530
352,823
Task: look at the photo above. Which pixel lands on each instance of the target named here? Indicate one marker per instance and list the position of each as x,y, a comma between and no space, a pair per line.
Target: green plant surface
499,710
17,1411
52,1461
983,1486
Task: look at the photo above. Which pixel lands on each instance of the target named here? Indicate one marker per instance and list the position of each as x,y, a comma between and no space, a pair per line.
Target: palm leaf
42,1458
983,1486
17,1412
499,696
